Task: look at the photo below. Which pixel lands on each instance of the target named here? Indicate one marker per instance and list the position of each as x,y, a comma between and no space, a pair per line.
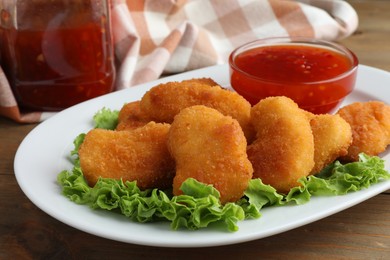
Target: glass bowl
316,74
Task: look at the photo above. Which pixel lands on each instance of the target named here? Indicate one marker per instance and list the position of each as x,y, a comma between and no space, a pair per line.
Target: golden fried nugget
164,101
131,117
332,137
283,150
205,81
210,148
141,154
370,123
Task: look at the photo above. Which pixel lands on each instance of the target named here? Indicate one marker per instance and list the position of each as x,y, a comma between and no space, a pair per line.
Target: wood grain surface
360,232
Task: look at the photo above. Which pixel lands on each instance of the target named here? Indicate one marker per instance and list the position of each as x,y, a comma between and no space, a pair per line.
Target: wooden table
361,232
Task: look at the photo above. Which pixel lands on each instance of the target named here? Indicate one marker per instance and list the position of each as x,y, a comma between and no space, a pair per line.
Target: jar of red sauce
56,53
316,74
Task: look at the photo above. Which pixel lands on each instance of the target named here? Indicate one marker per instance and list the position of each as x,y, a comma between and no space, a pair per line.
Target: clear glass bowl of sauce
316,74
56,53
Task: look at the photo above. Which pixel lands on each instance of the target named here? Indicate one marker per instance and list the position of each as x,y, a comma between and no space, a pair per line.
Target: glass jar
56,53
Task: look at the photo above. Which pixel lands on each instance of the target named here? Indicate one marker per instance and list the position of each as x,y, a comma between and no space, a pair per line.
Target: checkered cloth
157,37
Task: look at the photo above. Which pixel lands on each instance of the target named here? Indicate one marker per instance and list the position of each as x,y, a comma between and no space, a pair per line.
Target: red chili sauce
312,76
55,69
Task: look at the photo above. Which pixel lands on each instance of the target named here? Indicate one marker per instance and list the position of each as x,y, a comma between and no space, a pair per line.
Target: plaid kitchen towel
157,37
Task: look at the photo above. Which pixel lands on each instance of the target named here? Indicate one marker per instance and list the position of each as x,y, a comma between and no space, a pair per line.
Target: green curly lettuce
106,118
199,206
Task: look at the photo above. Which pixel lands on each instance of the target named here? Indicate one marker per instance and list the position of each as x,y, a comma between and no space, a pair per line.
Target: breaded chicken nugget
210,148
283,150
370,123
141,154
204,81
332,137
131,117
164,101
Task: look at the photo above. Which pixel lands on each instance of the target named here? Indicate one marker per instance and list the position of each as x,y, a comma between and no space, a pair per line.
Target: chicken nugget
370,123
205,81
164,101
210,148
131,117
332,137
139,155
283,150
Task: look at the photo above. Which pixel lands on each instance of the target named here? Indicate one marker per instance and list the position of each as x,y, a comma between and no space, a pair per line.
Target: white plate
45,152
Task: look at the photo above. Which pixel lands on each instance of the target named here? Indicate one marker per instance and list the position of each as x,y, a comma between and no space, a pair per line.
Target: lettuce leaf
334,180
77,143
106,118
197,208
200,205
339,179
261,195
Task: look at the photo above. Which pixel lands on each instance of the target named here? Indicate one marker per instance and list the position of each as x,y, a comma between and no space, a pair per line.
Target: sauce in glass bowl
315,74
